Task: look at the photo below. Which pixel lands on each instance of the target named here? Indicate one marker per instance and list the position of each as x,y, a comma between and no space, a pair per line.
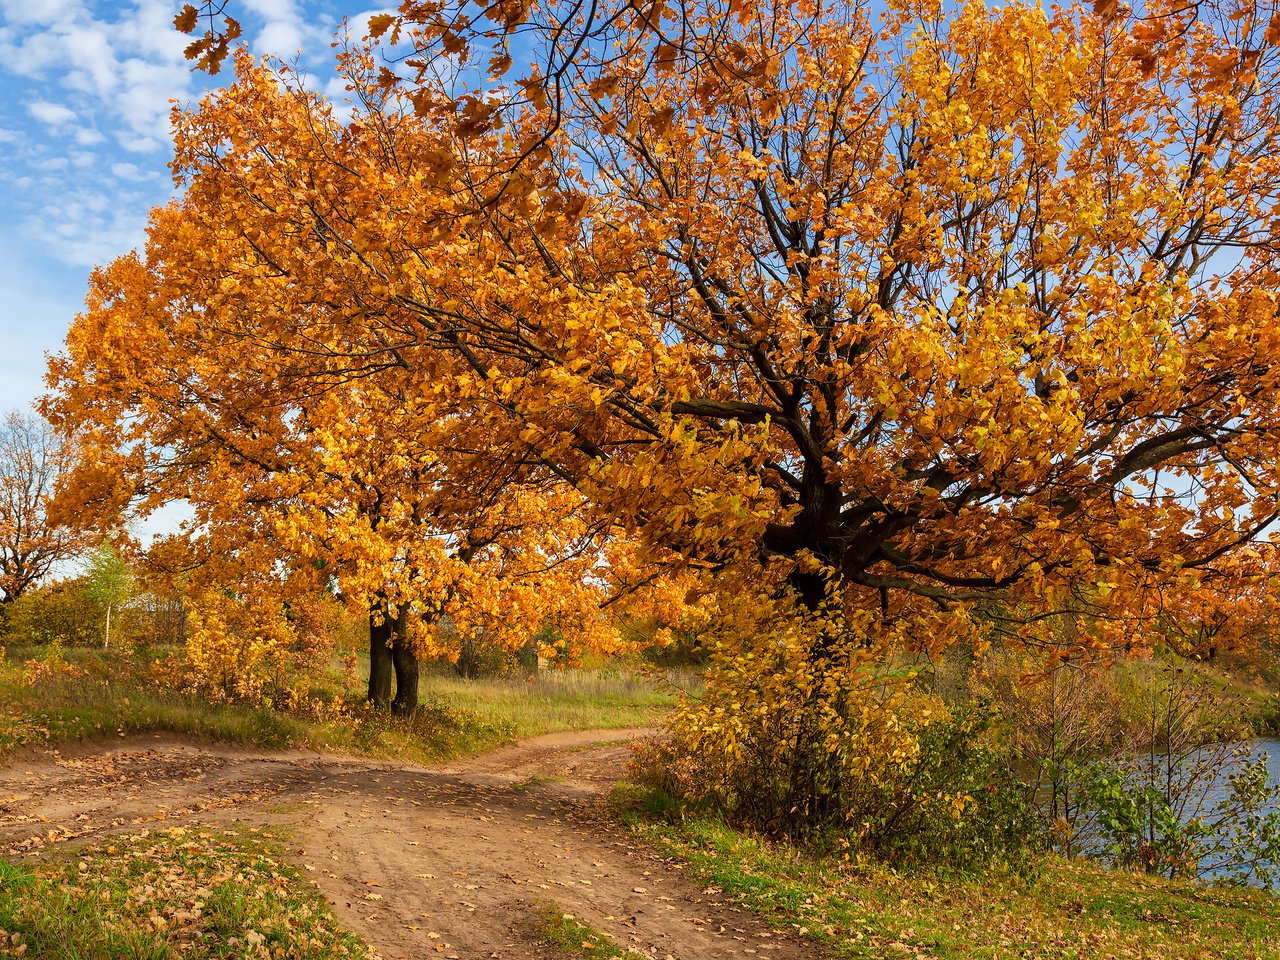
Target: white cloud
284,32
90,85
281,38
46,12
51,114
132,172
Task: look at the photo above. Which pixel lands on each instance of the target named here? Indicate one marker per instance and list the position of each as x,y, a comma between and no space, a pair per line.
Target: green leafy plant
1218,819
110,583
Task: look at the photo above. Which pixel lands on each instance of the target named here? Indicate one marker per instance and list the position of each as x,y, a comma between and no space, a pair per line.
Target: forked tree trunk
391,658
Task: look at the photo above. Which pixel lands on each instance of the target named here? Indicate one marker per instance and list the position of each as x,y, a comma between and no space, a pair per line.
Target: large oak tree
951,313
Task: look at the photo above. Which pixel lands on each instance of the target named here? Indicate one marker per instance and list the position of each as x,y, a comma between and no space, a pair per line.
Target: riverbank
1069,909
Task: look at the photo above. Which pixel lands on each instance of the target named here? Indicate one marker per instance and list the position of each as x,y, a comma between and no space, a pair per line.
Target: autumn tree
812,284
33,458
903,324
305,476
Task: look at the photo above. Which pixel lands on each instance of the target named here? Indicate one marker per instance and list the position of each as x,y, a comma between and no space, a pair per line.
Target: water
1203,794
1267,748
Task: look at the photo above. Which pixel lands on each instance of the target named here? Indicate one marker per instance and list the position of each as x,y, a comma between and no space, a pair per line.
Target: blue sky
84,144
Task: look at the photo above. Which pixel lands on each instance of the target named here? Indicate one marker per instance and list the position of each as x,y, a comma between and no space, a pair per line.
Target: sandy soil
420,862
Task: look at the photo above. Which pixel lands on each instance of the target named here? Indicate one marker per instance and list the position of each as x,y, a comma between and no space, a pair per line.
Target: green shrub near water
958,805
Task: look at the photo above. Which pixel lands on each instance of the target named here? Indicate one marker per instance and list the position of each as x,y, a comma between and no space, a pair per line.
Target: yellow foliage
796,719
242,649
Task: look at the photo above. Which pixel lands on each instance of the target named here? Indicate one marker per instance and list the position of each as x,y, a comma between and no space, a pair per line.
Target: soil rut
420,862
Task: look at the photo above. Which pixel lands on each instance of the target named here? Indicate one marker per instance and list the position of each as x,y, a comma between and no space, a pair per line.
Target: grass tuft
572,937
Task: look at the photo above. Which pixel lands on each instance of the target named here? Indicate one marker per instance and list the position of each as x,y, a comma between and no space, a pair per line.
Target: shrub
820,746
256,650
957,803
58,612
1061,719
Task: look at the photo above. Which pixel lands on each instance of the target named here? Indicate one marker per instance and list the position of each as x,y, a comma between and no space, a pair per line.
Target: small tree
109,582
1064,717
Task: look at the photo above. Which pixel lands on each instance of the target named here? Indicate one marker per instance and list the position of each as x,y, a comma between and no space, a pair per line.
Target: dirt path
420,862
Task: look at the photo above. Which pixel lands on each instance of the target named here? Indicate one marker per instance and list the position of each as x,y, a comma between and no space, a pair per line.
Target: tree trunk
812,793
811,588
468,663
406,668
380,656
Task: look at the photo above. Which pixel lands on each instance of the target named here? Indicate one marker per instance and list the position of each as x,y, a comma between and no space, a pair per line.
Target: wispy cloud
105,77
88,86
124,63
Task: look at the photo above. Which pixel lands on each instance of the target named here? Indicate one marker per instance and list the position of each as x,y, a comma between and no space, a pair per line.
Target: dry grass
94,694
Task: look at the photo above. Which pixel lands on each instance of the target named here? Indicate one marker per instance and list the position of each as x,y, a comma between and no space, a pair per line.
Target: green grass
572,937
177,893
1073,909
104,693
96,694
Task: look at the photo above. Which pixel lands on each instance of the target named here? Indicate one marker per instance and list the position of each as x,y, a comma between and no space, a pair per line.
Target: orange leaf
380,24
186,20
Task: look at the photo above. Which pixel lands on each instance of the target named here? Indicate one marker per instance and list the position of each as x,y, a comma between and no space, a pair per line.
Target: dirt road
420,862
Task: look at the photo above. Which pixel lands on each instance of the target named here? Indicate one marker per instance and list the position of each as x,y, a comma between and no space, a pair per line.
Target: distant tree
32,458
110,583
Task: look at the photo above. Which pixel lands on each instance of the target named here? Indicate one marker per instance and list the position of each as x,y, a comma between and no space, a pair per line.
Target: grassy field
556,700
193,894
1071,910
103,694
